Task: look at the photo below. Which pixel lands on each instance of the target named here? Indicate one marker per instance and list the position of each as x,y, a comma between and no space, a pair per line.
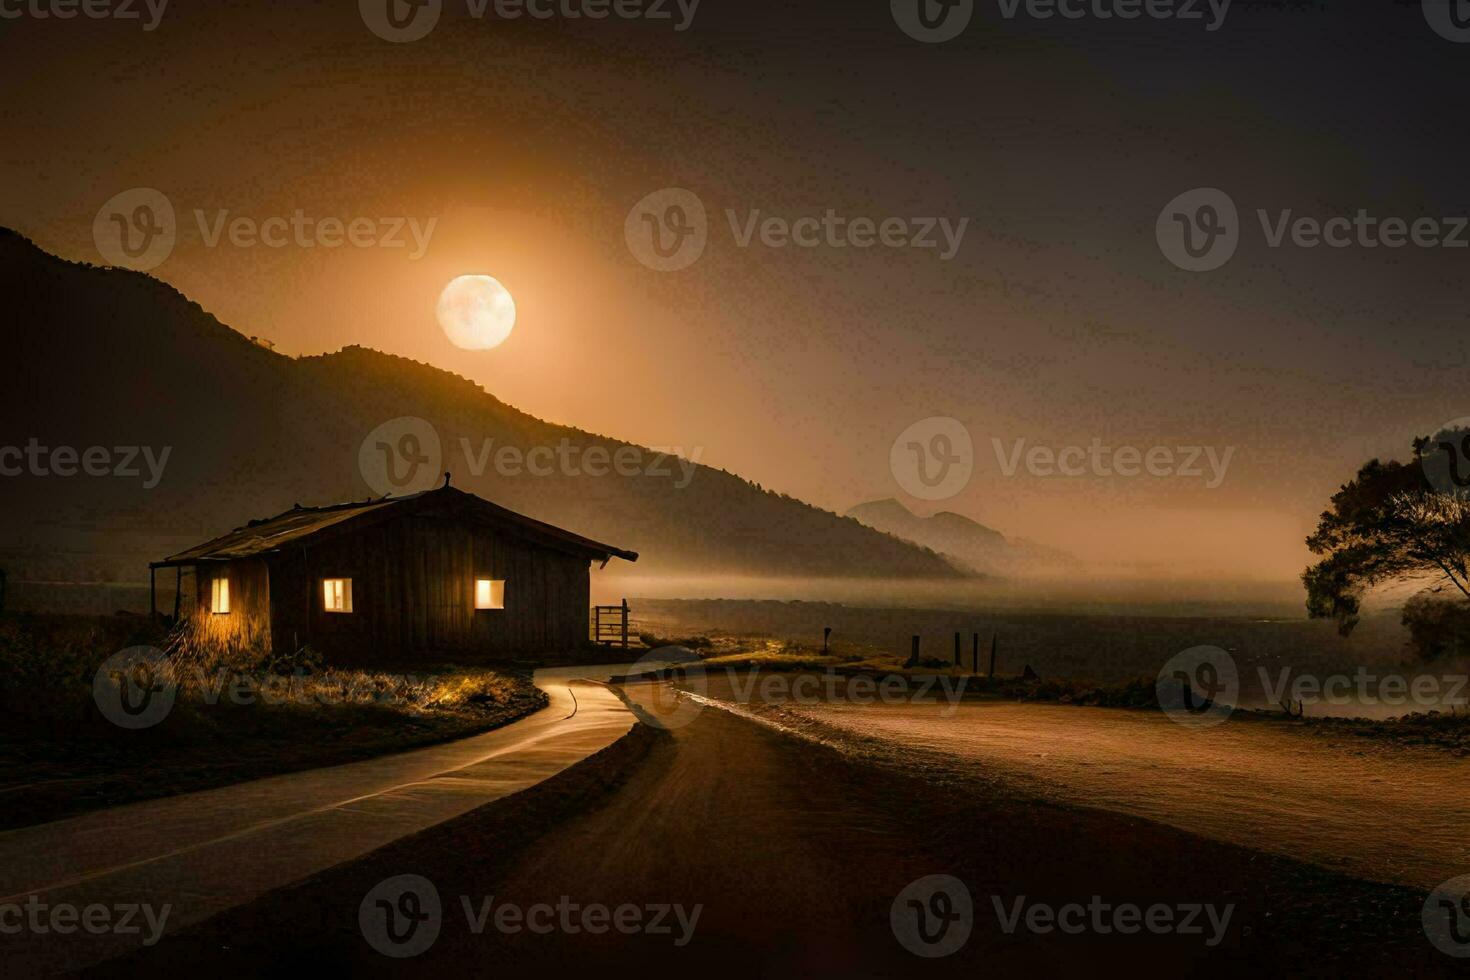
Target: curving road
200,853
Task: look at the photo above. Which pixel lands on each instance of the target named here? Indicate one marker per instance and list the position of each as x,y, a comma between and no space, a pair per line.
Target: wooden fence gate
610,625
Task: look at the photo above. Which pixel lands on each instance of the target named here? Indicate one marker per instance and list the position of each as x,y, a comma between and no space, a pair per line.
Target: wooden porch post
625,624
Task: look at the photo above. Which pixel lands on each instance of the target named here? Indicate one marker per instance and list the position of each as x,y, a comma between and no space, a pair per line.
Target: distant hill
112,358
969,543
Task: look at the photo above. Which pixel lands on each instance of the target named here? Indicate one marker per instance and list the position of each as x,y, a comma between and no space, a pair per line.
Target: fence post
956,649
913,651
993,638
974,653
826,635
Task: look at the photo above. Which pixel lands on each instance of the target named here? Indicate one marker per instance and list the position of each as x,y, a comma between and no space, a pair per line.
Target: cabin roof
301,524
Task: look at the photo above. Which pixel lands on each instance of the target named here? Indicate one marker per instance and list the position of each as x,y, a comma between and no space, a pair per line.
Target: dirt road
793,855
1373,809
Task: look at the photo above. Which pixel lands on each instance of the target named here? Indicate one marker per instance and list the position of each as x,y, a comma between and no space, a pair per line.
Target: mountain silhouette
969,543
111,358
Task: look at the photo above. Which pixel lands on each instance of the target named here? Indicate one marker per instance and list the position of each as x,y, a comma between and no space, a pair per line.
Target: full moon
476,312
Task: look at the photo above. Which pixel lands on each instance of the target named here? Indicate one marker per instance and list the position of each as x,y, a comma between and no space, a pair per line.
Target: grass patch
653,641
1434,729
236,715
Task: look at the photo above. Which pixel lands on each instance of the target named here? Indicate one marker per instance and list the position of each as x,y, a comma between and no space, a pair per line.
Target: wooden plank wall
413,593
247,622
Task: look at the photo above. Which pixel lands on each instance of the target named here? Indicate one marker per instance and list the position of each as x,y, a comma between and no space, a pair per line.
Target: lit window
219,596
489,593
337,595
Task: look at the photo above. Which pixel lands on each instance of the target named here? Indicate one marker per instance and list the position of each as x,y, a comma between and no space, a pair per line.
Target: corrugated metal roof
300,523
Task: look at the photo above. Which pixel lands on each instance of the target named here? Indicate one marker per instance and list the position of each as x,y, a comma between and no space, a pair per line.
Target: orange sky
1057,322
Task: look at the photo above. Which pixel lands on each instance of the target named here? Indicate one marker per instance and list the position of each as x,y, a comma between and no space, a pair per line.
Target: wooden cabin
436,573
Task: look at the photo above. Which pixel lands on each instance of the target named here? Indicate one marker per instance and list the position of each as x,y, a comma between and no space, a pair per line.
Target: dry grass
239,713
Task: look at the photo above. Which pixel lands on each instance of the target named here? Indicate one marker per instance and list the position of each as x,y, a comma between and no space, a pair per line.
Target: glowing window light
489,593
219,596
337,595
